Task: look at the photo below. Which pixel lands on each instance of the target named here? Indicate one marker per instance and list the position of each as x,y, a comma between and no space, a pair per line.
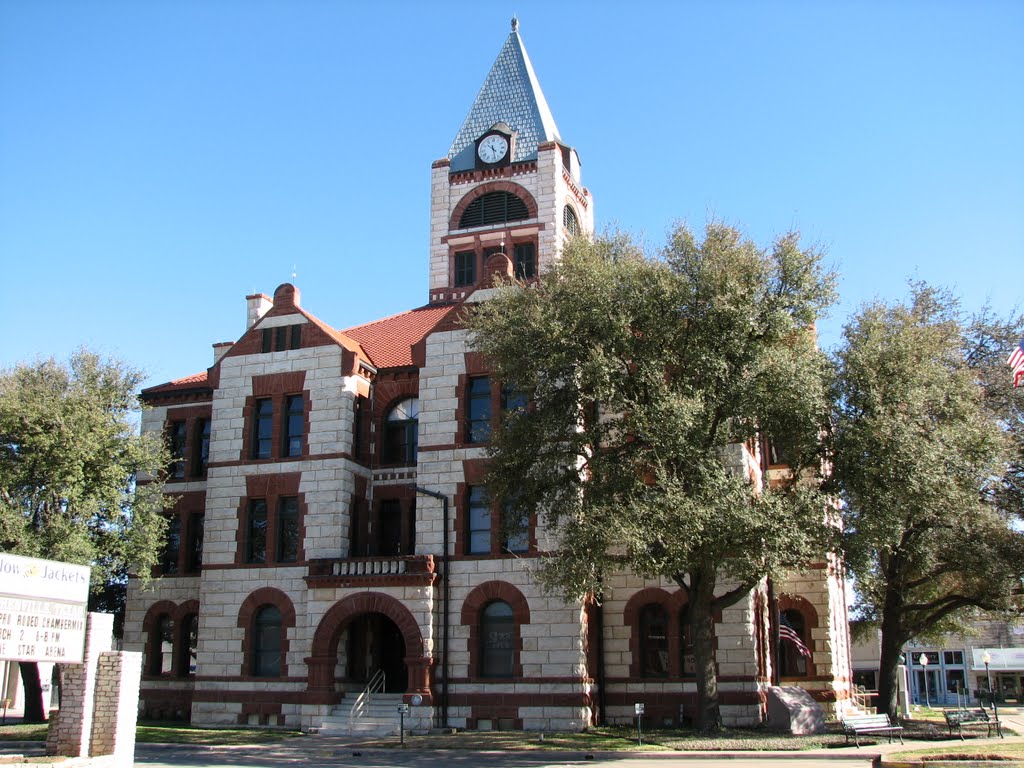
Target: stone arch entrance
381,633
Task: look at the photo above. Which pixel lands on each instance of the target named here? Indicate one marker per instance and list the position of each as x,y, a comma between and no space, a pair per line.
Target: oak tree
922,449
70,454
646,377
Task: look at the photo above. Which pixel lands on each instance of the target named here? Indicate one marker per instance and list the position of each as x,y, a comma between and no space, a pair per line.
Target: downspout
773,631
602,696
446,620
773,604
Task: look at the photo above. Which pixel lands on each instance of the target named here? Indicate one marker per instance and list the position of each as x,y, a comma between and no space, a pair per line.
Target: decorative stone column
419,677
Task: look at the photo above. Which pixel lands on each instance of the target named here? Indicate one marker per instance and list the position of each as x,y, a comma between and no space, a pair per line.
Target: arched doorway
373,643
360,634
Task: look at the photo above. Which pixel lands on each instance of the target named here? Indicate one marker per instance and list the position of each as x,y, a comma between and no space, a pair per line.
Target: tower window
465,268
494,208
524,260
569,221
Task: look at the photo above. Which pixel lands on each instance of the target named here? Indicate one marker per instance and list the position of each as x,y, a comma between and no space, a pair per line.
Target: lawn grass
965,751
22,732
152,733
616,739
925,727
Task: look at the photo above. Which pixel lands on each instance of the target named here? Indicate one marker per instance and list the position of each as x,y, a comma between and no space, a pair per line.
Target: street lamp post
924,664
986,659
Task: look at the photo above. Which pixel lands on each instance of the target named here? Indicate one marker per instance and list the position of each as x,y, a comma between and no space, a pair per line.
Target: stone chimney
220,349
257,306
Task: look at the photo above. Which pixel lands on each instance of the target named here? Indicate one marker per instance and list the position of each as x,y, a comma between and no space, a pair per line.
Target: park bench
866,725
958,719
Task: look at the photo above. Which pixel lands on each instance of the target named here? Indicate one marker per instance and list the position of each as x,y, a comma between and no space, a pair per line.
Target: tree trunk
34,712
702,630
888,664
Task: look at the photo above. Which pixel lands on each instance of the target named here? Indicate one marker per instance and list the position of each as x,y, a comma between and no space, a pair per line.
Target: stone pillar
118,678
70,733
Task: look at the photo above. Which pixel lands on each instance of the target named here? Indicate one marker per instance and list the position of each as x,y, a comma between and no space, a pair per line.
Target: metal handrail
376,685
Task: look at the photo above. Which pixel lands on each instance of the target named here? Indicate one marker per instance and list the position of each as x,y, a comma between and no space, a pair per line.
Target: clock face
493,148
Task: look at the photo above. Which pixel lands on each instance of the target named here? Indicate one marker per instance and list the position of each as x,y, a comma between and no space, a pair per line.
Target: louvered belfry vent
493,208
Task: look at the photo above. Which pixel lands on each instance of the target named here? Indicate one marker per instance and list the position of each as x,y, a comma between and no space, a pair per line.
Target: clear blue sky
161,160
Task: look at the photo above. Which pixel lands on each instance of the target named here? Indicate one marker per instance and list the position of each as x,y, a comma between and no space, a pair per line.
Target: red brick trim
285,461
479,174
247,617
472,608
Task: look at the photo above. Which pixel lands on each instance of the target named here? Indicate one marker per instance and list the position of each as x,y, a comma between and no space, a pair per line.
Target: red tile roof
389,342
386,343
188,382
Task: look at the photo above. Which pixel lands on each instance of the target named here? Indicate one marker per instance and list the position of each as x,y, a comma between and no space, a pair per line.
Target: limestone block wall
822,587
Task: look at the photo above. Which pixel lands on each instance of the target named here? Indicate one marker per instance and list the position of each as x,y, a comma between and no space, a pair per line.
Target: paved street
321,757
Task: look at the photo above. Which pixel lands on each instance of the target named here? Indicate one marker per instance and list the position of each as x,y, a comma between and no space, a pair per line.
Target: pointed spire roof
510,94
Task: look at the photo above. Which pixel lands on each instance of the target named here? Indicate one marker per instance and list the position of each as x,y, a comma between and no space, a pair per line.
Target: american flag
1016,363
787,633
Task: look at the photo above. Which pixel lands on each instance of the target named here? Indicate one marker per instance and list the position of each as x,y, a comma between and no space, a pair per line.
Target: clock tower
508,186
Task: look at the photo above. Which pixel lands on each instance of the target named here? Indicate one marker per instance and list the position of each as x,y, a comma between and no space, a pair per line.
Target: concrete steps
376,717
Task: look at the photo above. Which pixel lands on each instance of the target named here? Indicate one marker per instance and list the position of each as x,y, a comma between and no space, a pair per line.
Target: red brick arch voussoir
493,186
328,632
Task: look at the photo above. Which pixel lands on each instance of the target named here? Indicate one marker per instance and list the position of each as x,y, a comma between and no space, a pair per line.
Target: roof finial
515,24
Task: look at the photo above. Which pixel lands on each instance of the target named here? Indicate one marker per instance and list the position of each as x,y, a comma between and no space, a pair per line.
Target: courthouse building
329,529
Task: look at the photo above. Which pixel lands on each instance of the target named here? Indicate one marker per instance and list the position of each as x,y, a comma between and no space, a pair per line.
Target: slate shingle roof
511,94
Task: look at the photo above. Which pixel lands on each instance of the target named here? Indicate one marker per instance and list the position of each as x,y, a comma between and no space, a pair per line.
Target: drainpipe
445,621
602,696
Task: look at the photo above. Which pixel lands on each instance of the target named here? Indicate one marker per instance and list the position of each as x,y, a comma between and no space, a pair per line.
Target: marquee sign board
42,609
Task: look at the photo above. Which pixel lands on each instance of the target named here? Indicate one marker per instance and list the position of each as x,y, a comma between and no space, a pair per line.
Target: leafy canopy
926,449
644,376
69,458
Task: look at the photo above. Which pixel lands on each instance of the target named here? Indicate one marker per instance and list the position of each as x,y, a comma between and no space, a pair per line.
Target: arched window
497,630
794,645
401,430
653,641
493,208
187,645
266,655
569,221
161,660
